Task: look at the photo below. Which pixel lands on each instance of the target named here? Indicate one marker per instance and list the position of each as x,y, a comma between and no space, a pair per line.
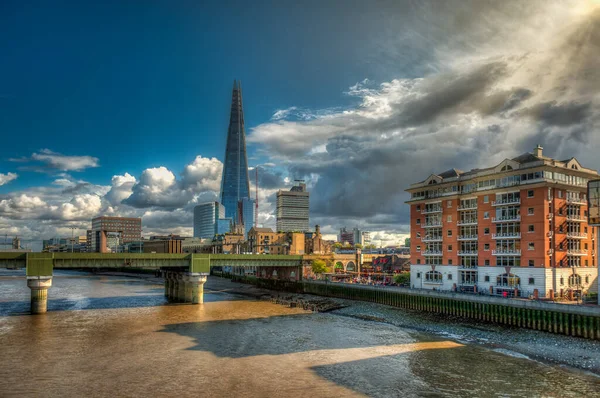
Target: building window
449,232
486,199
433,276
486,278
449,219
486,215
530,193
531,246
562,281
587,279
559,193
486,231
531,281
585,230
449,248
530,211
487,262
419,208
418,221
531,228
585,246
449,277
531,263
449,204
418,262
418,275
587,262
418,234
418,248
486,247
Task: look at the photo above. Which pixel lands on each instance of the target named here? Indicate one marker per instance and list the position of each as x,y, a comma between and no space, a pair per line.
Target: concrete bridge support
185,287
39,286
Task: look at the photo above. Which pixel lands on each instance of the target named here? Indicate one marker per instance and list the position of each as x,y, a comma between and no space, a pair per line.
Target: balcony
550,252
576,235
516,201
432,224
468,207
467,237
506,252
432,253
463,266
550,216
575,217
507,235
432,239
577,252
432,210
506,219
467,252
550,234
467,221
576,201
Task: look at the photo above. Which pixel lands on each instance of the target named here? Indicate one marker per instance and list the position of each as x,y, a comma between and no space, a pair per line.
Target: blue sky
121,108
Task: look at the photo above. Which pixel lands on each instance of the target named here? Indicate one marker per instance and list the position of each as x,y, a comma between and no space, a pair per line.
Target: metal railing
575,217
467,237
577,235
430,224
468,207
470,221
513,252
430,211
431,252
432,239
467,252
506,218
516,201
507,235
577,252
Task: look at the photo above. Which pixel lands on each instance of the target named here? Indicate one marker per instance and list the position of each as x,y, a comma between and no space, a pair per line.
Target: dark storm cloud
269,178
563,114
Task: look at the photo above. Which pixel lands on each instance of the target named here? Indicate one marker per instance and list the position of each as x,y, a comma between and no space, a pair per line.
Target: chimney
538,151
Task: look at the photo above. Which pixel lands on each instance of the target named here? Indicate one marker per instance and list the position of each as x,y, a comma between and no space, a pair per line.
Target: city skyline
358,116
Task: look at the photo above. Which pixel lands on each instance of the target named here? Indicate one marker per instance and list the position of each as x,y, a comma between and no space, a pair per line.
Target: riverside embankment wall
570,320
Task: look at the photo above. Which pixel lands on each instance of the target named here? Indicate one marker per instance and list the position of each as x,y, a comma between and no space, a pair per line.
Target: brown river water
115,336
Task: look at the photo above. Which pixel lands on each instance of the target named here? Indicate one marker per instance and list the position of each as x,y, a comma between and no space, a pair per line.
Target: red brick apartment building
514,228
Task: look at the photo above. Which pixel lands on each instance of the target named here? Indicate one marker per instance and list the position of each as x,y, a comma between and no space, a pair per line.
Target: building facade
235,183
246,214
519,228
109,232
293,209
206,216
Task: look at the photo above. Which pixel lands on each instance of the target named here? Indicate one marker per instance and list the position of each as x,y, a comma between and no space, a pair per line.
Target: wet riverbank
117,335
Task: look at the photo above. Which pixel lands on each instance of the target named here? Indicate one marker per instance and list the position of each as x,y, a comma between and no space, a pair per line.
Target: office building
517,228
224,226
293,209
109,232
246,214
235,184
346,237
206,216
171,244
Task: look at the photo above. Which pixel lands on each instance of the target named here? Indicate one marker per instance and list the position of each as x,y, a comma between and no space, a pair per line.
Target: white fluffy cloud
121,188
203,174
62,162
6,178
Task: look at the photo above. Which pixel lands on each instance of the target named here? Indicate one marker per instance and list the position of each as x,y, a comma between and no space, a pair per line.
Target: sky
121,108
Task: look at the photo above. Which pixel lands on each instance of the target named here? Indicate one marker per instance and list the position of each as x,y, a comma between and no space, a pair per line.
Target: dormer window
507,167
574,167
432,182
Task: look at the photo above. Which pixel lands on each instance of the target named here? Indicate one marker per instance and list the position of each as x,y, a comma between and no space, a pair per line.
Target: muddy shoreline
571,352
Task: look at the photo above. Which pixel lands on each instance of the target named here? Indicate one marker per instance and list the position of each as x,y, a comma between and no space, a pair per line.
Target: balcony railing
468,207
432,239
576,235
432,210
468,221
467,237
506,218
430,224
503,252
576,201
463,266
577,252
516,201
507,235
432,253
575,217
467,252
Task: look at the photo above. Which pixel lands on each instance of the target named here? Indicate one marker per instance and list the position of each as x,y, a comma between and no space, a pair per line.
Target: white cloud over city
510,76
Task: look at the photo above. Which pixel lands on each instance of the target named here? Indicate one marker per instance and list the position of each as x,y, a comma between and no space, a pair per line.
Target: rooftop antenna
256,205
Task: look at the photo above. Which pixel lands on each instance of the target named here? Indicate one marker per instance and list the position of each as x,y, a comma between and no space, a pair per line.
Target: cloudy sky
119,109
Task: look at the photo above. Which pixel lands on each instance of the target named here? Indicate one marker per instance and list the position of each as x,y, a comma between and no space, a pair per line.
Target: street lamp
72,238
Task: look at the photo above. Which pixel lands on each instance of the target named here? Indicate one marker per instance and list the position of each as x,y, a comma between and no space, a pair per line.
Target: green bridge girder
42,264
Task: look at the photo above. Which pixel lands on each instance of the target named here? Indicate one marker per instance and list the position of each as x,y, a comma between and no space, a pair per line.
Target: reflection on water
116,336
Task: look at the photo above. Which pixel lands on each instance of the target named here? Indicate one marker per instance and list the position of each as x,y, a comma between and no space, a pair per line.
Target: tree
370,246
337,245
358,246
402,278
319,266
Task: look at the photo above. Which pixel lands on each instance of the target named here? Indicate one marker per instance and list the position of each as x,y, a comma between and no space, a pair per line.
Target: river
109,336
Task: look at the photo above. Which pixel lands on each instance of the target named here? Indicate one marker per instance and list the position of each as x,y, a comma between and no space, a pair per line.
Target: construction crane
256,204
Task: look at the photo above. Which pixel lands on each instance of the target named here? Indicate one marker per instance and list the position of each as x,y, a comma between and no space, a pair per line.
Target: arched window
339,267
574,166
432,182
508,280
433,277
506,167
350,266
574,280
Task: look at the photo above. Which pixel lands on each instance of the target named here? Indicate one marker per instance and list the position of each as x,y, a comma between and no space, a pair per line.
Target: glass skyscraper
235,185
247,211
206,216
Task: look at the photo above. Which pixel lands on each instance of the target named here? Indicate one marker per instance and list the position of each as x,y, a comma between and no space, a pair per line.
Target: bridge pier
39,286
185,287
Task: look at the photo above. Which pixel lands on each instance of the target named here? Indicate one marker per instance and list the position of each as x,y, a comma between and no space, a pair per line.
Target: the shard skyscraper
234,184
